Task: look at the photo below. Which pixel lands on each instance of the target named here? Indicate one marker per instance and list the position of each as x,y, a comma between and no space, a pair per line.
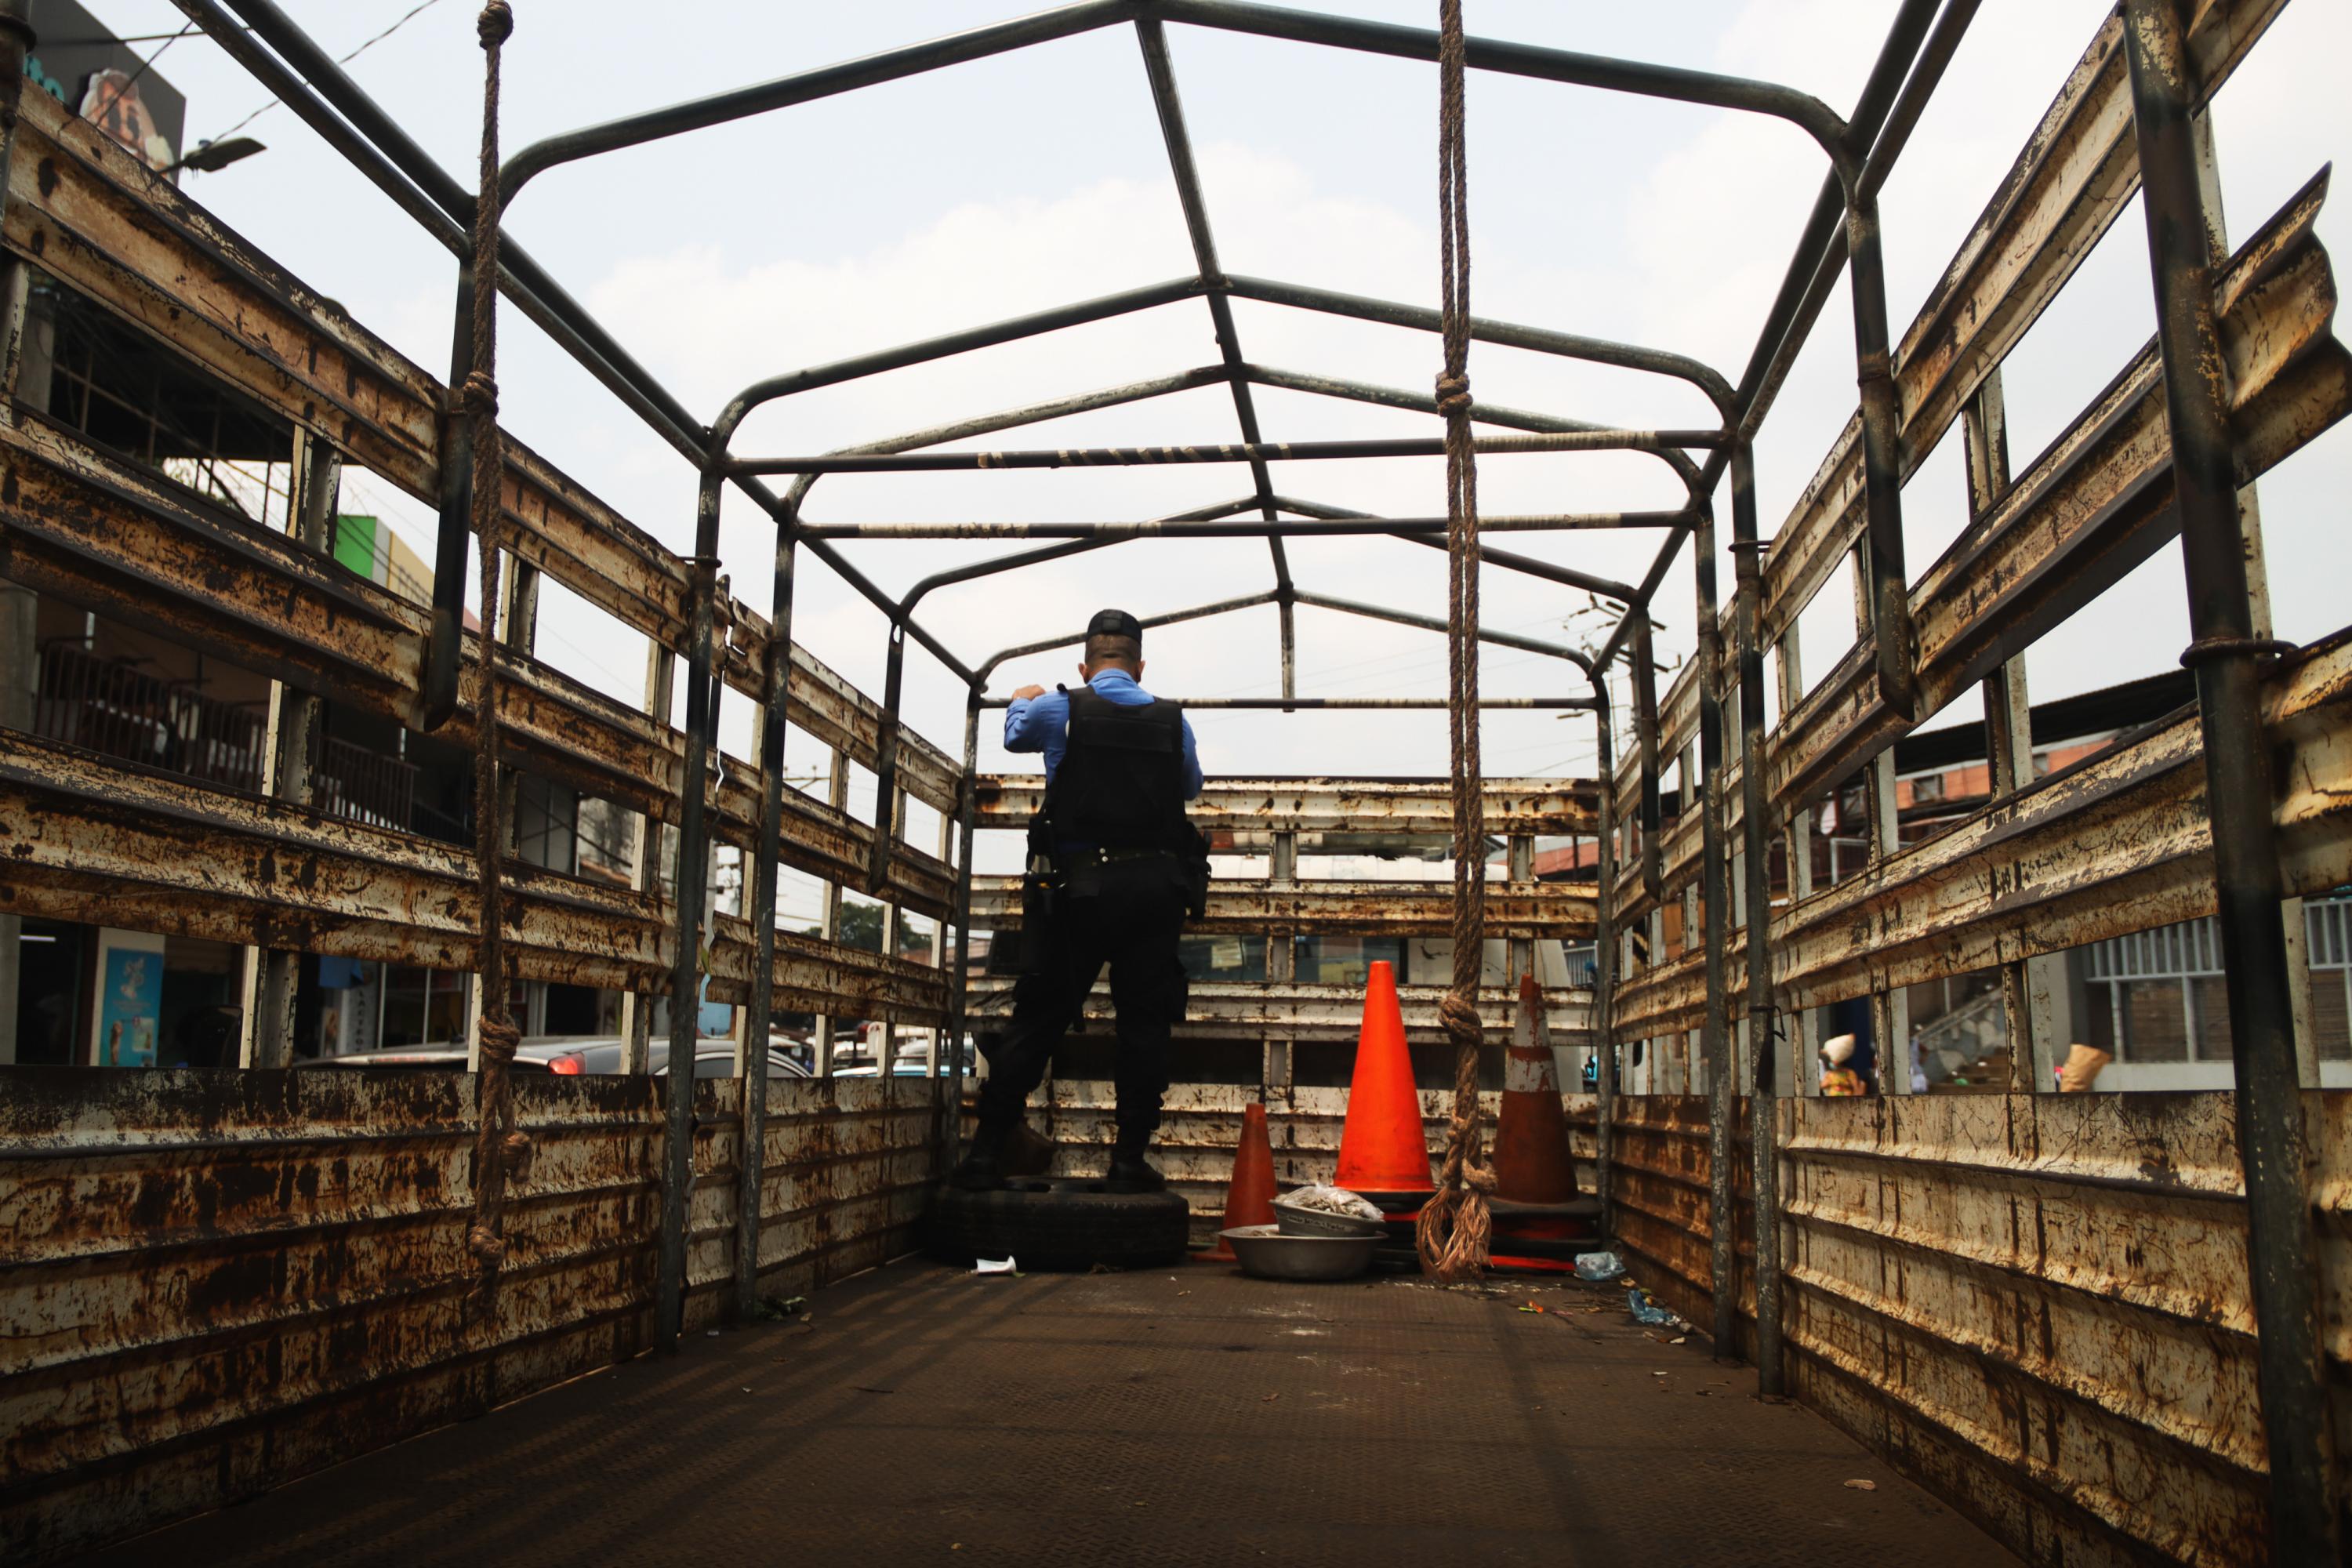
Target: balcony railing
112,705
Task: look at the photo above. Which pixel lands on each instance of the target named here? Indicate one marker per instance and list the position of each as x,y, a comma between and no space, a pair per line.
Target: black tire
1059,1222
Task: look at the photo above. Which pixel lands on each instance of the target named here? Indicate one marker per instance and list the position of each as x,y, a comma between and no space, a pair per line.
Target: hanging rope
497,1143
1454,1228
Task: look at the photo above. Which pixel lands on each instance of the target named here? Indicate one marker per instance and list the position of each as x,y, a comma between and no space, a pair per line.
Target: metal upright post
775,709
645,866
1756,847
2282,1262
1520,863
293,737
690,879
967,818
1715,899
19,607
2025,984
1890,1006
1279,1070
1604,966
837,795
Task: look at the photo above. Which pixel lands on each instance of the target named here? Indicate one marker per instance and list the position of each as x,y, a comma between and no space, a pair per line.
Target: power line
421,6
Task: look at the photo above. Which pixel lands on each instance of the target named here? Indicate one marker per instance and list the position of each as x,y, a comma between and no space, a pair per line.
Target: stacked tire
1059,1223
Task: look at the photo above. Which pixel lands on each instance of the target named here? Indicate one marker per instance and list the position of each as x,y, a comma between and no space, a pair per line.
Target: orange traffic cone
1249,1197
1383,1149
1532,1163
1540,1224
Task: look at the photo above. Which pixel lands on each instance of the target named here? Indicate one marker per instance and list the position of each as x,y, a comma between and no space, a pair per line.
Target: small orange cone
1532,1160
1383,1148
1249,1197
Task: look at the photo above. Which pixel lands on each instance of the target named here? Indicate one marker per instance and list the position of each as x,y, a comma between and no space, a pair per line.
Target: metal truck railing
1950,1279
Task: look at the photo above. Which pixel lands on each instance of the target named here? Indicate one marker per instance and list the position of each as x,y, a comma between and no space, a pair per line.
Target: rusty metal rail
295,1285
2039,1300
2047,1309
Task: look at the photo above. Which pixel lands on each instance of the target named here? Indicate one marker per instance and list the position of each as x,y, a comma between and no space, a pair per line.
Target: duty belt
1112,856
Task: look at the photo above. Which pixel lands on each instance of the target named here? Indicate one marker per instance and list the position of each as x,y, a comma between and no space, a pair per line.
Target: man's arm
1191,764
1035,716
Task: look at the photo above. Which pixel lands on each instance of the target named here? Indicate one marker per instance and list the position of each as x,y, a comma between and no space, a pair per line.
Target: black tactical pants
1131,923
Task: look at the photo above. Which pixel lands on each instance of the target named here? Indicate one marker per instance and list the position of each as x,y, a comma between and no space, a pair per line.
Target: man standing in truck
1115,868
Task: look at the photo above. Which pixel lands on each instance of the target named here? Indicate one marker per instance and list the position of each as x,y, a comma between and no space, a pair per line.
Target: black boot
983,1170
1129,1171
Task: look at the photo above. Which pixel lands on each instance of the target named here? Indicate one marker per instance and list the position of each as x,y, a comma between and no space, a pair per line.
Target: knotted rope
1454,1228
497,1143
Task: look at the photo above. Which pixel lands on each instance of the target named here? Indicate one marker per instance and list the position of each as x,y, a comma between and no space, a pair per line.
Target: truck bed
919,1413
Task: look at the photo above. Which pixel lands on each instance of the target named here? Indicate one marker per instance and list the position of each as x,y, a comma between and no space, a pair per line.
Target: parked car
564,1058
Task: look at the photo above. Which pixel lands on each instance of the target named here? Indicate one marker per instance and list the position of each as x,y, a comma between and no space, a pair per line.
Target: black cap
1115,624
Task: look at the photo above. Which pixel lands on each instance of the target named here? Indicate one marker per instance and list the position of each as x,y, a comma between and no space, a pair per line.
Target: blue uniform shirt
1043,724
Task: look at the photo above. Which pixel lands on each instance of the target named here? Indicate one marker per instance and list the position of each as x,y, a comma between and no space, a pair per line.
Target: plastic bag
1599,1268
1325,1199
1647,1311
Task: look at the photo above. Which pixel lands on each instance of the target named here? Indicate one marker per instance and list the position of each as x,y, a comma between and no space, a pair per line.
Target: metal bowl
1262,1250
1296,1221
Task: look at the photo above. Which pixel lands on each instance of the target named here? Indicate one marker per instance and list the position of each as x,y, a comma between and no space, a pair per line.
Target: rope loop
495,26
478,395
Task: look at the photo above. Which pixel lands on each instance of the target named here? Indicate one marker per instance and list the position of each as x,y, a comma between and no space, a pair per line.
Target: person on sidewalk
1115,868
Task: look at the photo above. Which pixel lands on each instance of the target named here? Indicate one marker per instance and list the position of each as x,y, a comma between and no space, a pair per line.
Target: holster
1040,894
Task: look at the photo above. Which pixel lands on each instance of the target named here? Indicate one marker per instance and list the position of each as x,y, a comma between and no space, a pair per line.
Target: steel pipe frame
1834,136
1169,108
1255,453
1850,190
1335,703
2282,1252
1348,525
886,761
613,365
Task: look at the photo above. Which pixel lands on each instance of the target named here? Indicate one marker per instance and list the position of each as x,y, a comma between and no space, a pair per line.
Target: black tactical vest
1121,785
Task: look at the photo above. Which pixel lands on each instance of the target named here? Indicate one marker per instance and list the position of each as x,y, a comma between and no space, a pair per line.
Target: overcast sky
1023,180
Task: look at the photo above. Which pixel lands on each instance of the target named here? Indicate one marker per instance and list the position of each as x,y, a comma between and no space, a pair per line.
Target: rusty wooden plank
85,209
1543,910
217,1281
1402,805
2097,503
104,843
1222,1009
2116,844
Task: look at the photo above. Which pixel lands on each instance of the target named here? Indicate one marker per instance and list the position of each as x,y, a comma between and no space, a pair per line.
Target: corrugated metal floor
1186,1417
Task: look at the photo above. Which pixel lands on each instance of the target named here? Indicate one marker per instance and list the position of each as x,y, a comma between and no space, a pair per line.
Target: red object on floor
1249,1197
1383,1147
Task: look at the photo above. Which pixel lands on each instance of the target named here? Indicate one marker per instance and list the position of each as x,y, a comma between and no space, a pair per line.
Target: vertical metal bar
886,760
2258,593
19,607
1279,1070
2025,984
1604,960
1646,737
1881,429
444,648
1520,850
2281,1258
1715,1042
293,738
691,879
837,795
775,710
966,819
645,865
1890,1006
1756,848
